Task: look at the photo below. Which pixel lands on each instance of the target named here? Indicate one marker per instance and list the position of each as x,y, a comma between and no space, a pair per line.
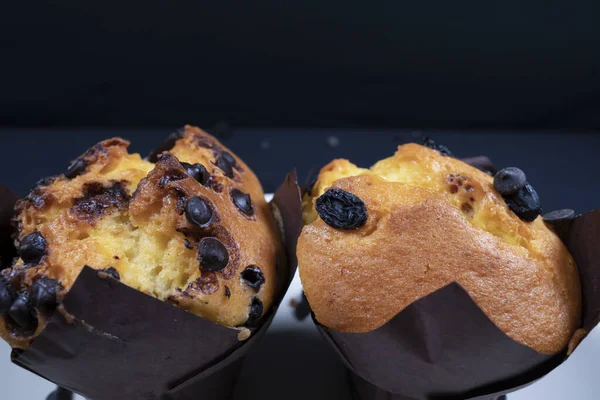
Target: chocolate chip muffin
378,239
189,226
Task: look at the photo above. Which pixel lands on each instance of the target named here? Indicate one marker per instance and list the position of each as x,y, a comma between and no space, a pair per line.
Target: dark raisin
428,142
525,203
341,210
198,212
242,201
256,310
42,294
212,254
22,314
559,216
227,292
76,168
509,181
112,272
197,171
253,277
32,248
225,166
7,296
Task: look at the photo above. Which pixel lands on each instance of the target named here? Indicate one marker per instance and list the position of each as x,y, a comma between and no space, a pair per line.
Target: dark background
396,64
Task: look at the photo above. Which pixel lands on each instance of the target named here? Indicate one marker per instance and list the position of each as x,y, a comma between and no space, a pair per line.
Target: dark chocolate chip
188,244
253,277
167,145
428,142
42,294
482,163
242,201
198,211
256,310
32,248
60,394
212,254
76,168
225,166
341,210
227,292
7,296
509,181
112,272
229,158
197,171
21,313
559,216
525,203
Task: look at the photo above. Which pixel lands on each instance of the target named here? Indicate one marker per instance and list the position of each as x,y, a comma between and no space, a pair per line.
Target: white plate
292,362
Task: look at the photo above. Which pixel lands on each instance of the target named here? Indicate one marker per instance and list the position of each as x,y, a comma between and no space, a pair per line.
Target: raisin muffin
378,239
189,226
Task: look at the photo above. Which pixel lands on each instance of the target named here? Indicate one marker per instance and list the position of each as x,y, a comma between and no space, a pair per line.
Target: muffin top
378,239
189,226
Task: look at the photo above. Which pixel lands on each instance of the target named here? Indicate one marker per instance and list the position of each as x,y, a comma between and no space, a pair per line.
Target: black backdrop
419,64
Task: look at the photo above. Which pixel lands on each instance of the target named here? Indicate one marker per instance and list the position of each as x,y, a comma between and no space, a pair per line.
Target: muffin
189,226
376,240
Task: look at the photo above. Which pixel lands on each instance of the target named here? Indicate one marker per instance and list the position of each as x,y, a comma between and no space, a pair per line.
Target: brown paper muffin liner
444,347
109,341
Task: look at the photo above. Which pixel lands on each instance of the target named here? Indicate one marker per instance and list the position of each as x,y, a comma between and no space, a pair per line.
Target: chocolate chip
253,277
197,171
7,296
112,272
509,181
21,313
42,294
341,210
256,310
188,244
227,292
76,168
242,201
482,163
225,166
229,158
428,142
32,248
559,216
167,145
198,211
525,203
212,254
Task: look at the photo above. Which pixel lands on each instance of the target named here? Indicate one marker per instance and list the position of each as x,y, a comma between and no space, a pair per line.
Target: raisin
33,248
525,203
256,310
42,294
253,277
428,142
341,210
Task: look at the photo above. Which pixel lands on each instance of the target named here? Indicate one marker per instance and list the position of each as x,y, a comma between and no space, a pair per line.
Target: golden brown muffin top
164,228
433,220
